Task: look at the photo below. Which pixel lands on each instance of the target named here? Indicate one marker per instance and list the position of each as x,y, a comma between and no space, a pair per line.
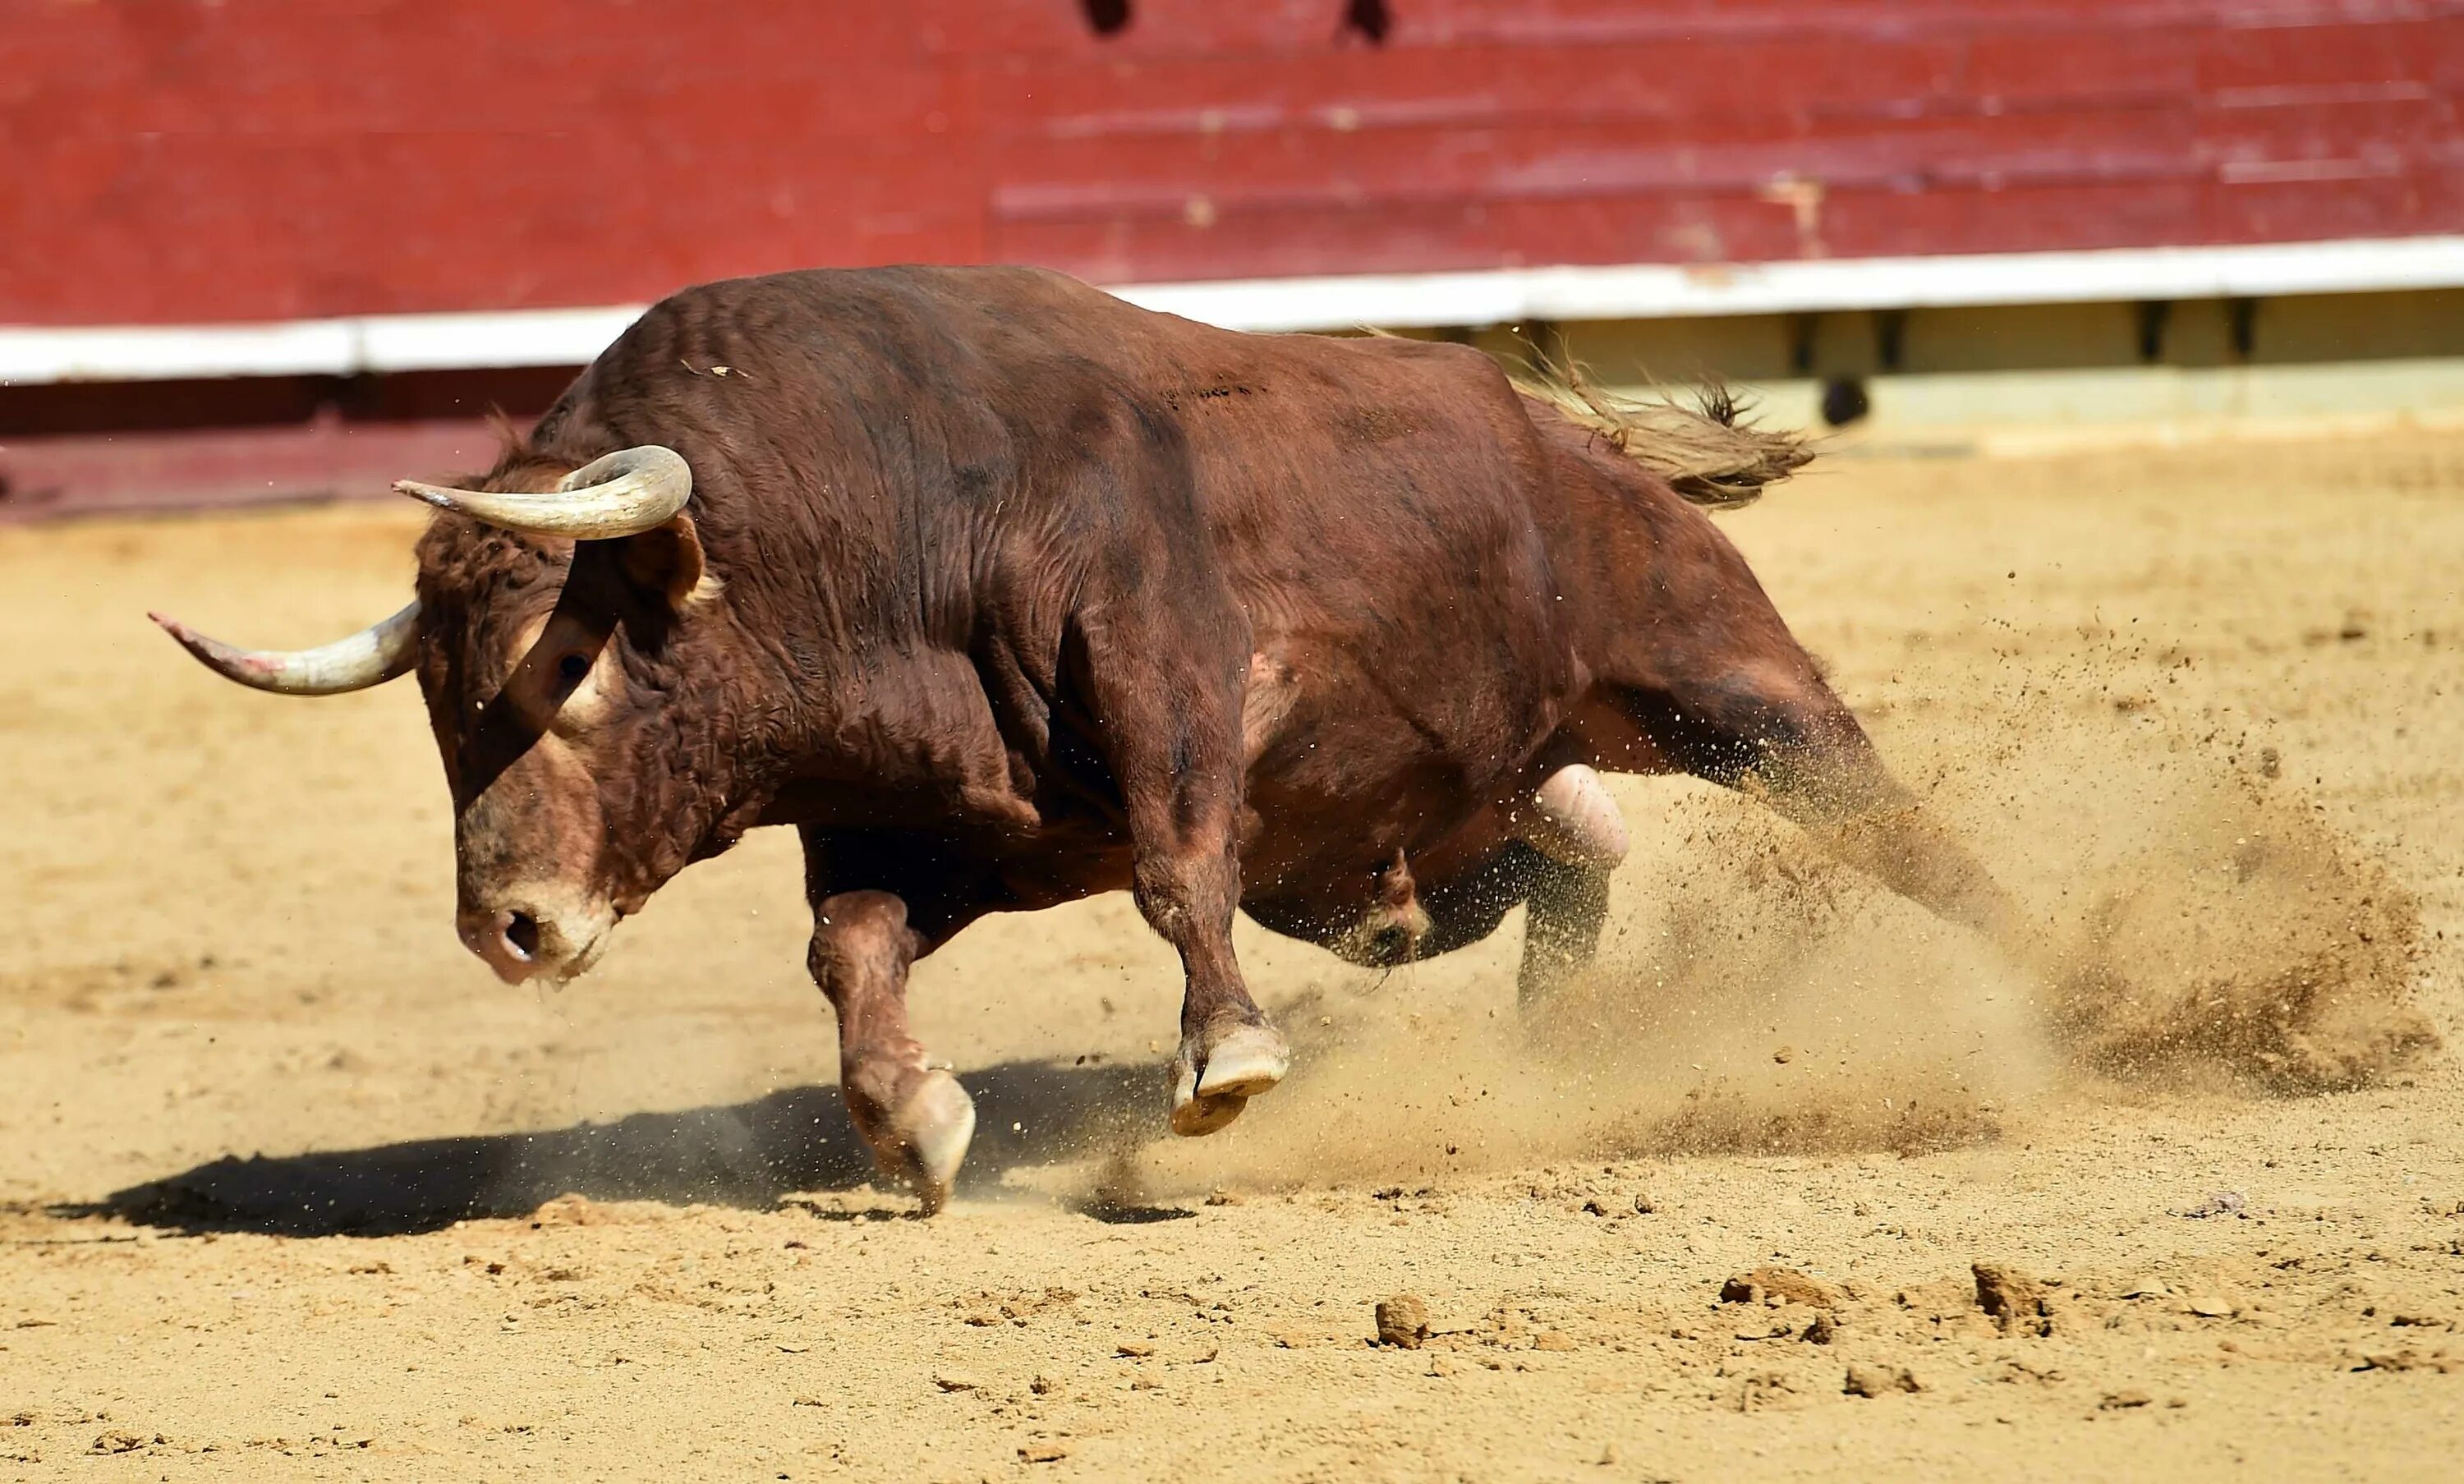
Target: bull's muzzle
525,938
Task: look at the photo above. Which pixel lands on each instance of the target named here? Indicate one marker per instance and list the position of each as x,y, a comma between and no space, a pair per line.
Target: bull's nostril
523,935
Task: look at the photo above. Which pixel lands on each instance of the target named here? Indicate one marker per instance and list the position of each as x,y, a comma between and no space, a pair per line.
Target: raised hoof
1574,820
1238,1064
932,1130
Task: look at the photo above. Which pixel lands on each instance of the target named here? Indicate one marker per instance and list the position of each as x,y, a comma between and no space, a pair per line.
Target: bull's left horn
370,657
628,491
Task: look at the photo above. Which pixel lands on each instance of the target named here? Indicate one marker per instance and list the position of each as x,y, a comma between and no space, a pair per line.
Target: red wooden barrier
173,161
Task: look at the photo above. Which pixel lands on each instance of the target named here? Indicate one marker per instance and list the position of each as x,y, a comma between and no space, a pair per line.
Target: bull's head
549,632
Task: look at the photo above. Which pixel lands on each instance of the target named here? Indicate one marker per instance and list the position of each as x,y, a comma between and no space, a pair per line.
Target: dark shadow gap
1369,19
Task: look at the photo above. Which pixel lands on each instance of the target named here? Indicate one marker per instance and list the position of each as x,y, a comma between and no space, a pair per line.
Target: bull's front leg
1168,688
1187,888
917,1118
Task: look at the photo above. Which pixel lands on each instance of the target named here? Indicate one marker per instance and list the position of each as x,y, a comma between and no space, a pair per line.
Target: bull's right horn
623,494
370,657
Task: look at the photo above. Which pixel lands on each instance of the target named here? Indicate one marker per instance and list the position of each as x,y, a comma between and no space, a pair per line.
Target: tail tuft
1709,453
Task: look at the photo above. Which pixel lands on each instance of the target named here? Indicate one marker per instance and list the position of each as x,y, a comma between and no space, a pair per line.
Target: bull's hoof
1215,1080
1574,822
929,1137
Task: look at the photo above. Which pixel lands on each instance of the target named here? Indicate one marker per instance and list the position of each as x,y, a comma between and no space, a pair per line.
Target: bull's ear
666,562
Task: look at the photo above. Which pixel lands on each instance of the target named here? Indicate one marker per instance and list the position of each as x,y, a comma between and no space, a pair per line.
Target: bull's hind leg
1773,728
1564,911
1577,838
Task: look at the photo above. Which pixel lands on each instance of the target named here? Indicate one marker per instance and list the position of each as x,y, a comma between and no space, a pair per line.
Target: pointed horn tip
215,654
427,493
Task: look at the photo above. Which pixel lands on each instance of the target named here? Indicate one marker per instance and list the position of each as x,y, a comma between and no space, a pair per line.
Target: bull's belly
1443,866
1453,892
1350,766
1347,771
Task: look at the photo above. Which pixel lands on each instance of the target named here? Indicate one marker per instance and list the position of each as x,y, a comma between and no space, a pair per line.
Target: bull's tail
1709,453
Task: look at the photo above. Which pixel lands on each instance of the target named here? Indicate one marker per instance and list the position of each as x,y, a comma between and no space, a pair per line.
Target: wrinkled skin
1005,593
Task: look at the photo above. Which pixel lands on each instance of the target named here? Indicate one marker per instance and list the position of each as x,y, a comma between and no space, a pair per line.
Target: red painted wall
169,161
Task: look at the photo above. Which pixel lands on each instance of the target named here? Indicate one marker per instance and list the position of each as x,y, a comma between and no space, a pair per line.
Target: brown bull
1004,592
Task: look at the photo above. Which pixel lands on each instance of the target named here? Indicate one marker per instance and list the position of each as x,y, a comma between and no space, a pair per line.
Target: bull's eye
573,667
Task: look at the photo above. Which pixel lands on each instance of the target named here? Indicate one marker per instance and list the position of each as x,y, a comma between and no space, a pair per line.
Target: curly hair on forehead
520,463
474,552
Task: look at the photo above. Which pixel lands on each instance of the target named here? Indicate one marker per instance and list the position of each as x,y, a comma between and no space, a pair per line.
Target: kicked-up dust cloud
2196,924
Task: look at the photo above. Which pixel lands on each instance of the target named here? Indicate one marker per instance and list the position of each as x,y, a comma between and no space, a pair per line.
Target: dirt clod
2015,1301
1787,1285
572,1208
1866,1379
2412,1360
2221,1203
1403,1321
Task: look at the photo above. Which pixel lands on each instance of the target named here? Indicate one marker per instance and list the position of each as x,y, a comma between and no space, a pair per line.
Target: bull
1004,592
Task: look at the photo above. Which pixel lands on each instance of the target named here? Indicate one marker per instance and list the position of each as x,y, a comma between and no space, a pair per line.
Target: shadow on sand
745,1154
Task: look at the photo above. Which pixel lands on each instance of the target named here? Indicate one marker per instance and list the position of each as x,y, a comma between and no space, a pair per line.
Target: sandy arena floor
285,1174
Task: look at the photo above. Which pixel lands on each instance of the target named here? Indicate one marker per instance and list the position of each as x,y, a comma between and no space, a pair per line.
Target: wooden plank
1352,89
2266,211
2279,57
1174,176
2083,62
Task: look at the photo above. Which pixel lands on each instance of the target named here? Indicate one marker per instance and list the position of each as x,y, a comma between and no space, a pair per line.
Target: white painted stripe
1657,291
525,337
573,337
310,347
151,352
